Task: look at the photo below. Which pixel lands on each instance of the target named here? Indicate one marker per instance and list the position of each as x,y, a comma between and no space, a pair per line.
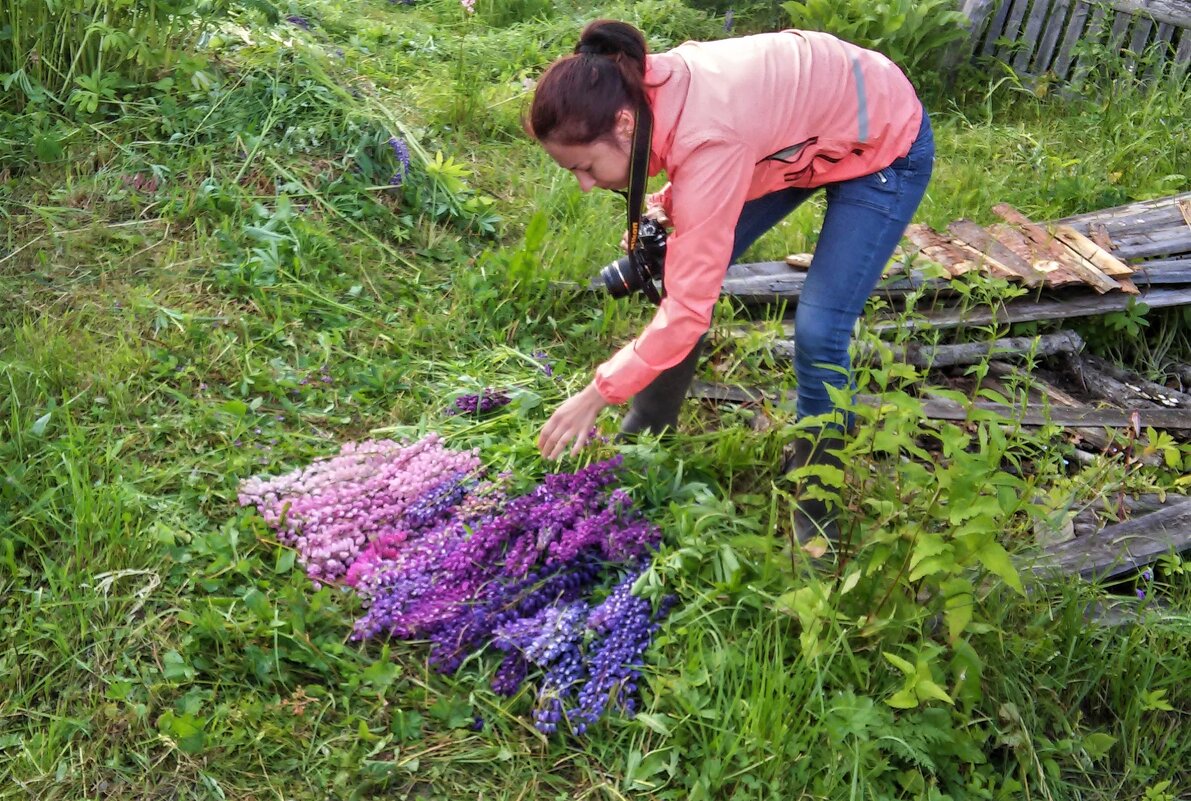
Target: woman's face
602,164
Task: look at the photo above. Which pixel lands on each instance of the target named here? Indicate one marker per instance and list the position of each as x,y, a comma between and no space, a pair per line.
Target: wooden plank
1021,62
977,12
1165,243
995,26
1095,35
940,250
1162,52
1099,258
1100,438
1143,214
1118,549
1175,12
994,252
1019,311
1182,56
1142,26
1011,43
1050,37
1075,28
1049,255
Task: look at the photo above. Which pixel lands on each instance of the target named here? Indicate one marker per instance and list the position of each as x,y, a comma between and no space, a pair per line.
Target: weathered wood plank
1118,549
1075,28
1095,34
1100,438
995,26
1174,12
994,253
936,356
1142,214
1038,14
1096,256
1050,37
1182,56
1011,43
977,12
1162,51
1029,311
1163,243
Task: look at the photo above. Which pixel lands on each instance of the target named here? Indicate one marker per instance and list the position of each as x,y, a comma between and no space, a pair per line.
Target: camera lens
620,279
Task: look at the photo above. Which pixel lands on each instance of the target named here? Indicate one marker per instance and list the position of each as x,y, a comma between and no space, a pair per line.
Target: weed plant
231,275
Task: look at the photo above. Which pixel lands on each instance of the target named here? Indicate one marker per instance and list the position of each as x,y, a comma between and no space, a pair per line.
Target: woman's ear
626,121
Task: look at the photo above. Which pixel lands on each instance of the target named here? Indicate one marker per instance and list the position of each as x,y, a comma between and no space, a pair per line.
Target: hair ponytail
579,96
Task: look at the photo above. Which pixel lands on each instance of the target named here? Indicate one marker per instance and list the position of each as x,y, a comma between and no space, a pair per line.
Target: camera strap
638,175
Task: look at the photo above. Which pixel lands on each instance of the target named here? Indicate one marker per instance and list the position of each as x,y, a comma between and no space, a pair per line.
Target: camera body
640,271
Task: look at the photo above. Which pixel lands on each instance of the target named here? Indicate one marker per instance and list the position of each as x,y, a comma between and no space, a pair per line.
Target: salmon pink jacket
737,119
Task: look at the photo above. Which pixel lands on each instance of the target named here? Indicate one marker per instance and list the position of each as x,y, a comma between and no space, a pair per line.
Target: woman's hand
571,421
655,212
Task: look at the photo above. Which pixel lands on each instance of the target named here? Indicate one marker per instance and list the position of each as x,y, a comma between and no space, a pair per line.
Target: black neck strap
638,171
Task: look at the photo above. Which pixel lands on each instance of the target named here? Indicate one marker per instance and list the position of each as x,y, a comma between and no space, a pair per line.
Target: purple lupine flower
1148,575
401,151
729,20
485,401
547,368
1141,594
299,22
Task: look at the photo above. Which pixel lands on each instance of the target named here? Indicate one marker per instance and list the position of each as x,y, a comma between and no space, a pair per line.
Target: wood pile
1078,266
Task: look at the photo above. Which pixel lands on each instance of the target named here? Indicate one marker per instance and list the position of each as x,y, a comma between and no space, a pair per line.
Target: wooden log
1075,28
1105,387
1021,62
1050,37
1118,549
1150,390
936,356
994,252
946,409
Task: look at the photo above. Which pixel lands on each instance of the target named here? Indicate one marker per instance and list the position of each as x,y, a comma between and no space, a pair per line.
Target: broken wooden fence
1057,38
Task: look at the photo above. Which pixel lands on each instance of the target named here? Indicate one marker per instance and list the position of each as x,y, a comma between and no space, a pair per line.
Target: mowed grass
270,296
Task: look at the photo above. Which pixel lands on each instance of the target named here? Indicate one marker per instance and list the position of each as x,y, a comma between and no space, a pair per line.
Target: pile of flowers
437,551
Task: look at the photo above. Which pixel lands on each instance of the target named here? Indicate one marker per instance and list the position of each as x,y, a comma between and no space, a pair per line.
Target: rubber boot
814,517
655,409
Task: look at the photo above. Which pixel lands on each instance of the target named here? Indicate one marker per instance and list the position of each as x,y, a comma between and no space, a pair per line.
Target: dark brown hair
579,96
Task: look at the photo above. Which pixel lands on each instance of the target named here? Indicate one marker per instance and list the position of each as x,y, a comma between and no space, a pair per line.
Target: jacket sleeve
707,192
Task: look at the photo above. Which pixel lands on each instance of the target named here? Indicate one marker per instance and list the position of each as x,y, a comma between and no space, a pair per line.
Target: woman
746,129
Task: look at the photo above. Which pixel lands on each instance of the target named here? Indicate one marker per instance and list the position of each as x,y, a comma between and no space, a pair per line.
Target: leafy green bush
913,33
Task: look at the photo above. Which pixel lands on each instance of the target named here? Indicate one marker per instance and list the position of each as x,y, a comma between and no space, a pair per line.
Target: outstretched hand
573,420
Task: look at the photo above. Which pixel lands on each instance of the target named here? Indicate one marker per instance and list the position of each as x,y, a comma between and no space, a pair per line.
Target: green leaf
175,667
925,688
903,699
38,427
258,604
996,559
1098,744
656,723
899,663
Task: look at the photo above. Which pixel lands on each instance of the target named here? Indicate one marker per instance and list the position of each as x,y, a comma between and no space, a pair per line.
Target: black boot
655,408
814,517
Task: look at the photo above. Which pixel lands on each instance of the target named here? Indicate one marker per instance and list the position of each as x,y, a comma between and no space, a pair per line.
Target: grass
271,295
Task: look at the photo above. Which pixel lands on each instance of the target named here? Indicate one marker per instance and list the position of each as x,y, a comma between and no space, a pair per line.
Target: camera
638,272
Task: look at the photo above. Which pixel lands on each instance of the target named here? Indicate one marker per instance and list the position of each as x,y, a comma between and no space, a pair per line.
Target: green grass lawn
211,277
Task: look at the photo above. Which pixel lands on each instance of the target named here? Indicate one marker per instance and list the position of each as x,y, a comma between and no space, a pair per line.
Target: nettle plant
912,33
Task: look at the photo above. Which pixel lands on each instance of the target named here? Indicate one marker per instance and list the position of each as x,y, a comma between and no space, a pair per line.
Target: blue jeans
865,220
